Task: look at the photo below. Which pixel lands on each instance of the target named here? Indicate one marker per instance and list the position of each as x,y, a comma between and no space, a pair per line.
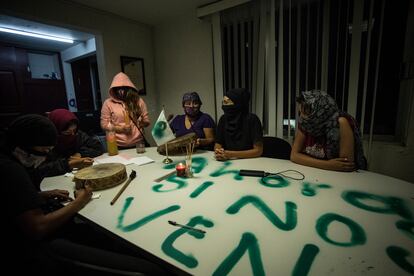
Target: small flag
161,131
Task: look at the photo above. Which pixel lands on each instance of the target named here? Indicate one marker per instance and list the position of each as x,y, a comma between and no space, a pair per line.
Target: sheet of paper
113,159
142,160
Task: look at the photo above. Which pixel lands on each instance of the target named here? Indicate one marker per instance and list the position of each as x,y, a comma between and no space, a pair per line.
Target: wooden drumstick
131,177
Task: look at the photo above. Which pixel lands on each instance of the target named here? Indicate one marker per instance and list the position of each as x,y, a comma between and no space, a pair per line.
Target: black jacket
57,164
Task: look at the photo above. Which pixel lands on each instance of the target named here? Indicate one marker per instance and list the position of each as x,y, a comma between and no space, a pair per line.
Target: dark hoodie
238,129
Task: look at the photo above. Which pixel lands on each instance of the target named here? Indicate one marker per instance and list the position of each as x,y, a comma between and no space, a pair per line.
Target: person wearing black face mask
194,121
34,237
239,132
74,148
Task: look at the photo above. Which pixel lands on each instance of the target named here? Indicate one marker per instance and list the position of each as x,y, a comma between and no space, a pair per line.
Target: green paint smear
144,220
407,227
249,243
306,258
392,205
358,236
159,129
309,189
168,248
181,183
399,256
278,181
291,215
222,171
201,189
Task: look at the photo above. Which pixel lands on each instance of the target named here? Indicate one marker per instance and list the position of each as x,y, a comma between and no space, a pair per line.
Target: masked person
239,132
326,138
36,241
74,148
194,121
125,112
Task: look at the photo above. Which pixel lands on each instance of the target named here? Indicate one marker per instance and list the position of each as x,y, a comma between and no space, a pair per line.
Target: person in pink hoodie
125,111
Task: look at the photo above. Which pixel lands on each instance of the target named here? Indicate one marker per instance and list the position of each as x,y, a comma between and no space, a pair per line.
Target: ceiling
36,27
151,12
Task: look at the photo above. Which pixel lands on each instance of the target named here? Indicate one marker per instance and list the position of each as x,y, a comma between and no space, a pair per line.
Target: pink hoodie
115,109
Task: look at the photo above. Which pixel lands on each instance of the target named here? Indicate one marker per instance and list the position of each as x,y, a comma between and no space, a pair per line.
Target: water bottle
111,140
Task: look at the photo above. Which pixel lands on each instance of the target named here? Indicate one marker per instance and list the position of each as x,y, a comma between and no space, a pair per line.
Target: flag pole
167,160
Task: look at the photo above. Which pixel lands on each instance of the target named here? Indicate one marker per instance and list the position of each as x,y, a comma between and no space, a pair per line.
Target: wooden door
83,85
13,65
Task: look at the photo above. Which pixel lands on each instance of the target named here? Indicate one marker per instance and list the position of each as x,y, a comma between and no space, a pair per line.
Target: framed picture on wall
134,68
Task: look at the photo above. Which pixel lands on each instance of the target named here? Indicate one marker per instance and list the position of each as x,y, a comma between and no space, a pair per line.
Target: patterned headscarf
322,120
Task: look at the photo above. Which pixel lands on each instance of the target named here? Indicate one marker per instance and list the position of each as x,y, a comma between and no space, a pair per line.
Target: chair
274,147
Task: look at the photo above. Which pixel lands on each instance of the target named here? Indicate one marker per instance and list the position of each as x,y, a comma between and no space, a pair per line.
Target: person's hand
83,196
341,164
79,163
126,129
61,195
197,143
220,154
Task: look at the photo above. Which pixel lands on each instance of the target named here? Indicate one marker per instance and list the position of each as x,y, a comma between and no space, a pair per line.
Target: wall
115,36
184,62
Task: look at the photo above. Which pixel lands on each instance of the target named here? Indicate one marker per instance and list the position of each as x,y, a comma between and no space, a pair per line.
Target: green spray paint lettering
143,221
392,205
168,248
222,170
201,189
358,236
306,258
159,128
198,164
407,227
248,243
399,256
181,183
274,181
172,165
309,189
291,216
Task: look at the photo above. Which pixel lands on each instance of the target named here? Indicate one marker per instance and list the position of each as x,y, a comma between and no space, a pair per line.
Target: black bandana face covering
230,109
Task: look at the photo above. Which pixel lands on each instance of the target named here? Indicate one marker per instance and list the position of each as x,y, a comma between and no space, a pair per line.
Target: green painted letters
291,216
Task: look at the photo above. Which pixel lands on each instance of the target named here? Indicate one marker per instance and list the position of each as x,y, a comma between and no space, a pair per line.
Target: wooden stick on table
132,175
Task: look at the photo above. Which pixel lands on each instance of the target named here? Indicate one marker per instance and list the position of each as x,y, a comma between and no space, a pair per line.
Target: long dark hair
131,101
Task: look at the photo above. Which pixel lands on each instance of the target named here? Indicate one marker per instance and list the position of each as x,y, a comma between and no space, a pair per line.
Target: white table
330,223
